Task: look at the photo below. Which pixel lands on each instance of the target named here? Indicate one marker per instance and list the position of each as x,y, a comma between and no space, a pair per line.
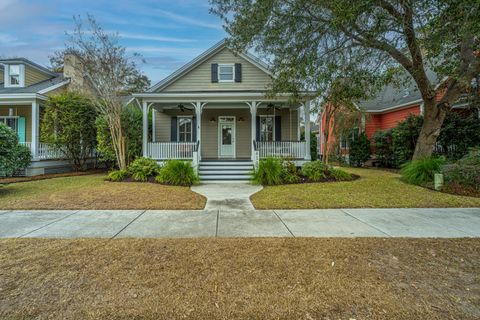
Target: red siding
388,120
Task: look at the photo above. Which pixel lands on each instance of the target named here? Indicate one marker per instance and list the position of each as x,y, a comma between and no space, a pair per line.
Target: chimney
72,69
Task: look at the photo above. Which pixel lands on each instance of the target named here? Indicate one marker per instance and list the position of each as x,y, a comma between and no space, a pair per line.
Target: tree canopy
363,44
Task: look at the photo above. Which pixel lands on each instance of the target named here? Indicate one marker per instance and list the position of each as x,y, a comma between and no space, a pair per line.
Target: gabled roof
203,57
391,97
29,63
40,88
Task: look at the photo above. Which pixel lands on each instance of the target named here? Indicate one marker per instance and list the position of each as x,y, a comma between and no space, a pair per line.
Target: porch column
198,114
306,108
253,112
35,129
145,128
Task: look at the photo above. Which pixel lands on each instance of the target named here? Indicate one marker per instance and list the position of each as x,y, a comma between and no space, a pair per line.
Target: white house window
11,122
226,72
14,76
266,128
184,129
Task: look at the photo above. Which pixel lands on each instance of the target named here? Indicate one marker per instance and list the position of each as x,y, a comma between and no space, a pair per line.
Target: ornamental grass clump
269,172
422,172
178,173
340,175
143,168
117,175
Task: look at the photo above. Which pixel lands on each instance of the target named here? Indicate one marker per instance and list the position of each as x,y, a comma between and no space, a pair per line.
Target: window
14,75
351,135
266,128
10,122
184,129
226,73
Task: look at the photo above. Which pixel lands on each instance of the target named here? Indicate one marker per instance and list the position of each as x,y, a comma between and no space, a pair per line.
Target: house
24,88
389,107
214,111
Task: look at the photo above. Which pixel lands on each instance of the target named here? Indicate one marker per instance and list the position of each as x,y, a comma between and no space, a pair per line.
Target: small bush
117,175
13,156
178,173
143,168
315,170
359,151
465,173
289,172
269,172
422,172
340,175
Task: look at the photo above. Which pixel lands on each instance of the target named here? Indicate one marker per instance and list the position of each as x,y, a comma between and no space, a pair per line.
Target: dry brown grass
240,279
92,192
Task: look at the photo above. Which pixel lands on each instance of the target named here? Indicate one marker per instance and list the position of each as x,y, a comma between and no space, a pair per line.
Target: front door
226,134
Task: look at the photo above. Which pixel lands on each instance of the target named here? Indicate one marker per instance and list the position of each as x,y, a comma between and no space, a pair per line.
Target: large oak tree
366,43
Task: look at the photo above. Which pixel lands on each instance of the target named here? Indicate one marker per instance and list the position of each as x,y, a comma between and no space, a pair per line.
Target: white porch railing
171,150
284,149
46,151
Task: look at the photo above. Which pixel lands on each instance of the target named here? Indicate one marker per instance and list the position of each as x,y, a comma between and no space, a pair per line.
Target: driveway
448,223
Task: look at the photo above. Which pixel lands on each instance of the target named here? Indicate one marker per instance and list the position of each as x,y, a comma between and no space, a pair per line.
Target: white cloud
8,40
135,36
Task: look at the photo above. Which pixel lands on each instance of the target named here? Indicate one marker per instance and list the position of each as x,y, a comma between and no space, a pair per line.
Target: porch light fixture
213,120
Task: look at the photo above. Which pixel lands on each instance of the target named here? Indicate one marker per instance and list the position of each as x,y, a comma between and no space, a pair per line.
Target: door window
184,129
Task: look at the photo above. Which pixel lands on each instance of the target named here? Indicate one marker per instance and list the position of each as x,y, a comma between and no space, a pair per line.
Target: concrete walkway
223,223
227,196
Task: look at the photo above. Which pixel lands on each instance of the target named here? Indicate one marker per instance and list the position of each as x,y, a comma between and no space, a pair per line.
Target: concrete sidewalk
458,222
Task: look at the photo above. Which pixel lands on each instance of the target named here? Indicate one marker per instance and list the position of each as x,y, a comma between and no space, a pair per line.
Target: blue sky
167,33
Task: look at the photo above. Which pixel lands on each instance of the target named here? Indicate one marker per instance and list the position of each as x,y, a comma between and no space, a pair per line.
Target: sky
166,33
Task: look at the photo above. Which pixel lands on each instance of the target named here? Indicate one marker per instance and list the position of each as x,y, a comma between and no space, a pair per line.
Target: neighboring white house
214,111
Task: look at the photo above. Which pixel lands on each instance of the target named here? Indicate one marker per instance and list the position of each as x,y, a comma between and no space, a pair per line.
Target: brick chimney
72,69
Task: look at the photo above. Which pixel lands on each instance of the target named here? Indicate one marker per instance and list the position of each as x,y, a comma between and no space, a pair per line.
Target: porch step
225,170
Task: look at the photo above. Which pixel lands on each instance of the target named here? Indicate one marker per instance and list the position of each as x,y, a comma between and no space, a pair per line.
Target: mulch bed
49,176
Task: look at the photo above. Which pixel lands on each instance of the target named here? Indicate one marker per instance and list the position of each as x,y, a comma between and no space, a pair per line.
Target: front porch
223,127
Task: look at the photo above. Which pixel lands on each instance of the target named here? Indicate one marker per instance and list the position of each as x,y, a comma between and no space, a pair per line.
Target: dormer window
226,72
14,77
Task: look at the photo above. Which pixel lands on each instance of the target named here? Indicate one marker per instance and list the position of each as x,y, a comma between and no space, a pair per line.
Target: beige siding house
24,88
214,111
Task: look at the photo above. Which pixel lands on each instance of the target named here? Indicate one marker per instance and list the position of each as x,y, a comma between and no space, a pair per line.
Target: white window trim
178,128
232,65
21,79
273,126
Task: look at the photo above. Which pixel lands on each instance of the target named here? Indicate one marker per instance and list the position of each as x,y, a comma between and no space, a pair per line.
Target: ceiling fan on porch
271,106
183,108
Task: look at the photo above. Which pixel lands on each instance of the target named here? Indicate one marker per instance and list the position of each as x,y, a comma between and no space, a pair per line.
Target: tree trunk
434,115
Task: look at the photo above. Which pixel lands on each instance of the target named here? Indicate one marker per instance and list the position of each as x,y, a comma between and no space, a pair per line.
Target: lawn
92,192
240,279
374,189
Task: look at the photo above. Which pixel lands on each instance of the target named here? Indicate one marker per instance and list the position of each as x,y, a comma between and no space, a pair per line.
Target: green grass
374,189
92,192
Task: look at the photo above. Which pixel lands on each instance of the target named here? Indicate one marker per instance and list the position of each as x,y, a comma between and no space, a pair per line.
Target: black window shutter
194,129
173,130
278,128
258,128
214,72
238,72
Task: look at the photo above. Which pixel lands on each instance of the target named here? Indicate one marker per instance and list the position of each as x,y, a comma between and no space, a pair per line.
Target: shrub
340,175
315,170
289,172
69,125
459,133
359,151
421,172
143,168
131,118
178,173
465,172
404,139
383,148
117,175
13,157
269,172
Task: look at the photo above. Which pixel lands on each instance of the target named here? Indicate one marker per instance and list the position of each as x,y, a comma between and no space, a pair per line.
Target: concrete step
225,167
225,172
224,177
226,163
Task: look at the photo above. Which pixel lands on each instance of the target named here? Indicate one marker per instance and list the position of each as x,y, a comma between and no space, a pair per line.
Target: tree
13,156
132,127
69,125
110,73
310,44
